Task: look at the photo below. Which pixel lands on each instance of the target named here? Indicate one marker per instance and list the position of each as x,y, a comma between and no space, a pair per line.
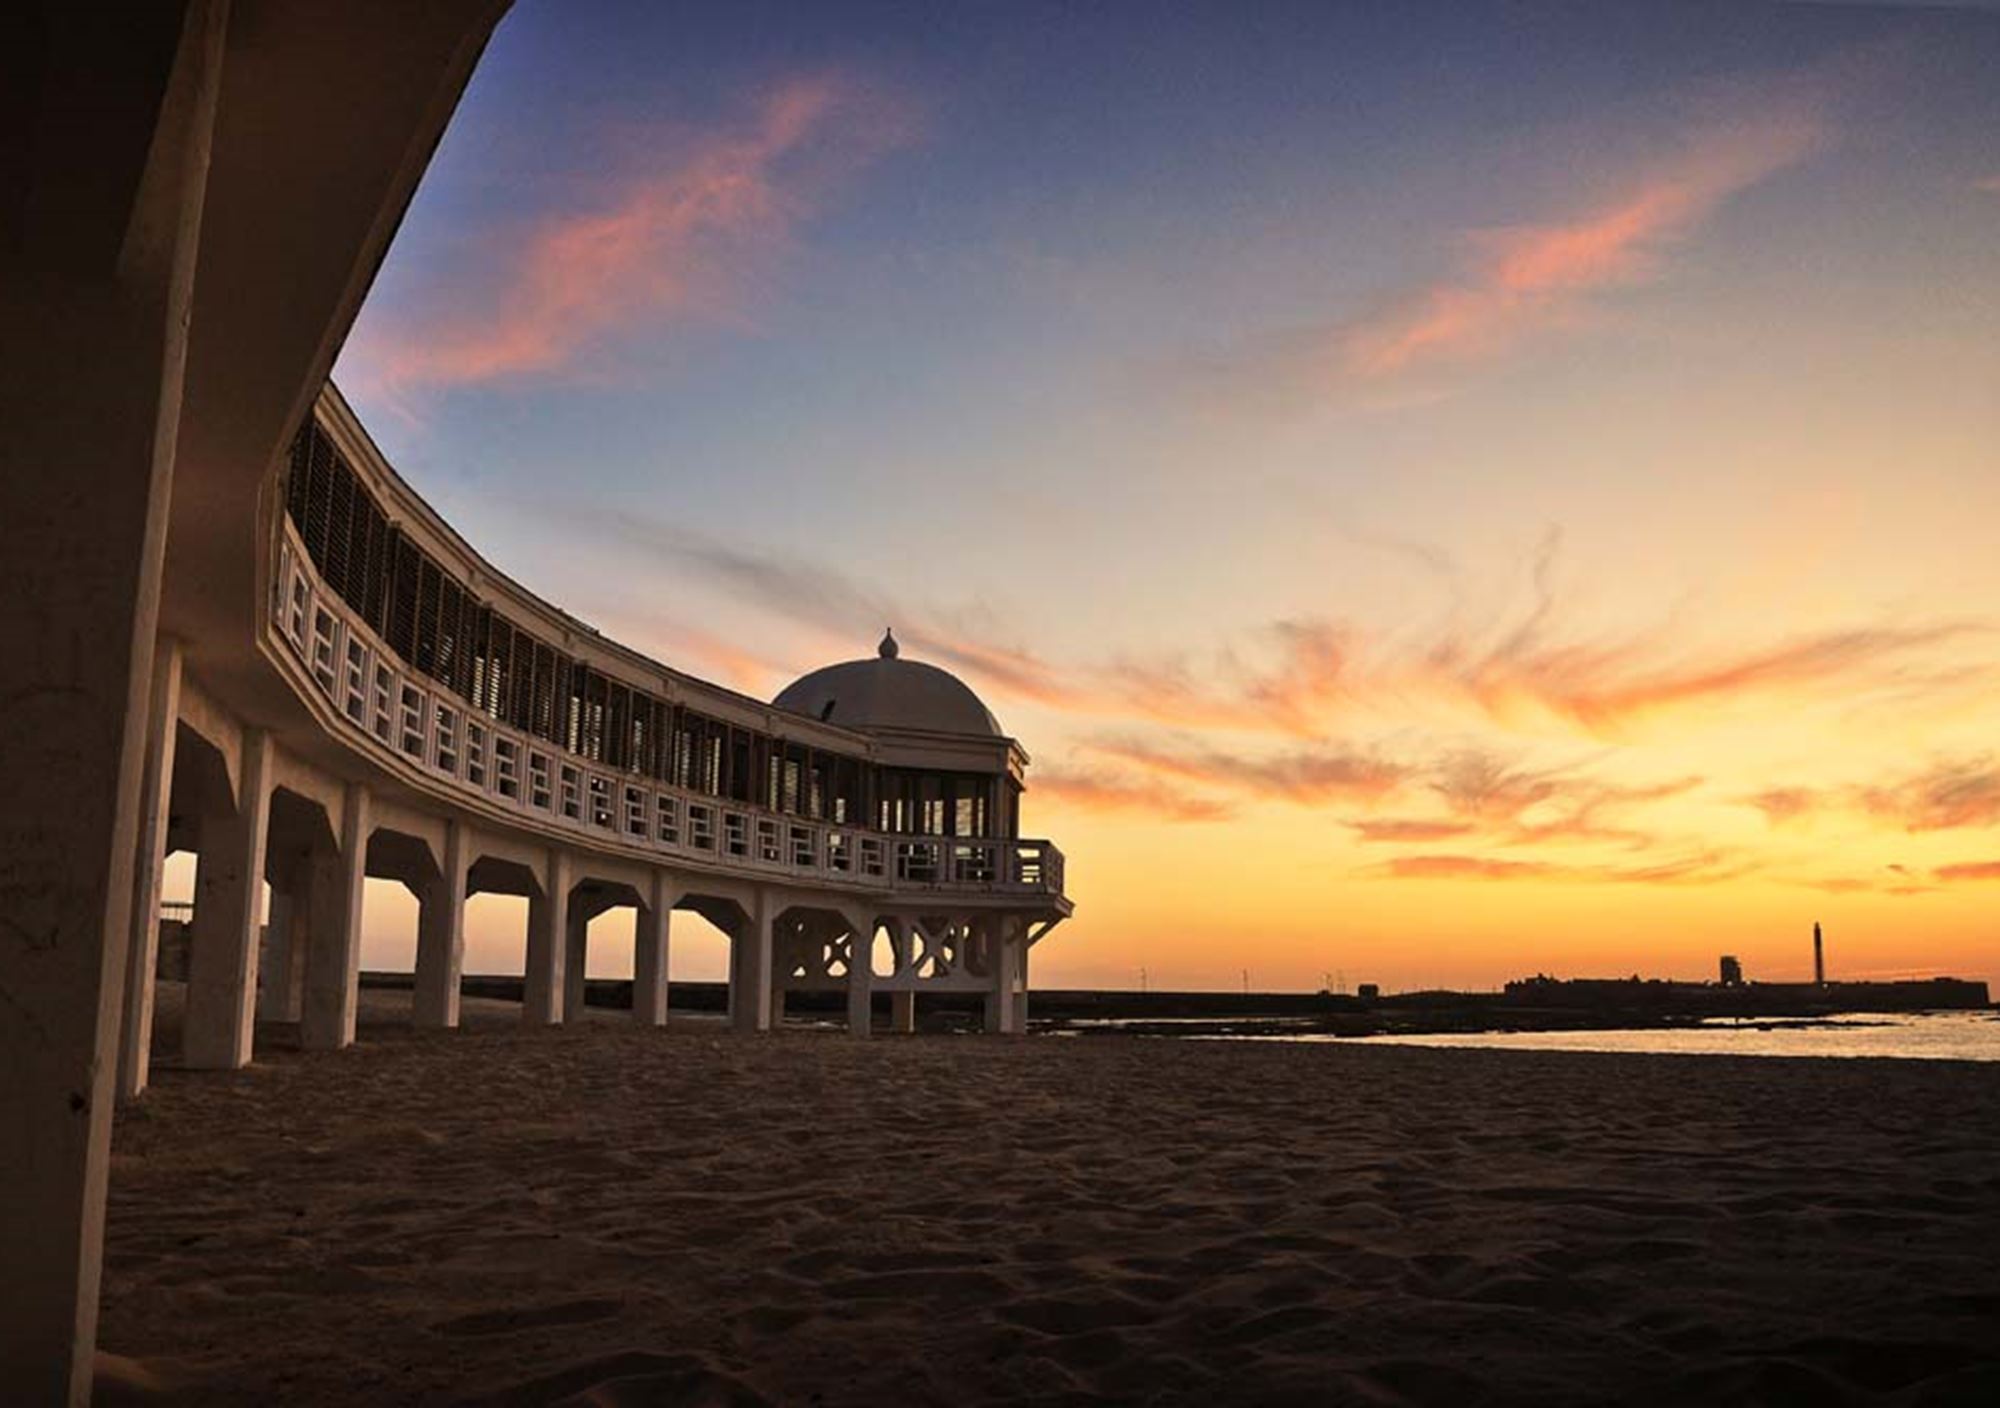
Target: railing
390,708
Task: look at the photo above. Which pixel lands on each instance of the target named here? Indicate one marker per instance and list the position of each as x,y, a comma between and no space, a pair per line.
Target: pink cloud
670,243
1522,279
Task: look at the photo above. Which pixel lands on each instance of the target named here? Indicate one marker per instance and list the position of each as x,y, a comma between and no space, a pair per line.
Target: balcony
376,704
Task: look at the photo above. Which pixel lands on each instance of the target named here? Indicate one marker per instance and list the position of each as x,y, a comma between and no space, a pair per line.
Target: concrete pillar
223,941
1020,1014
108,132
576,953
155,795
750,968
649,953
903,1012
441,934
333,967
281,973
860,978
1004,995
548,928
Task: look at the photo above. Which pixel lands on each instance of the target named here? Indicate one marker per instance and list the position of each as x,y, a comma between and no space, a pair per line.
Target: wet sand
609,1216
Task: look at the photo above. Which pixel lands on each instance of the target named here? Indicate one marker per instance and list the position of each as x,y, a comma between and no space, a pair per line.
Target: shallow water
1931,1036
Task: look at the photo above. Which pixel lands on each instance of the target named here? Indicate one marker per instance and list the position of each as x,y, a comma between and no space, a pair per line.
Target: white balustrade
385,706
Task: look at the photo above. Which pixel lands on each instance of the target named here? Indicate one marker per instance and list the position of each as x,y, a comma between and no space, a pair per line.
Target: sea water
1931,1036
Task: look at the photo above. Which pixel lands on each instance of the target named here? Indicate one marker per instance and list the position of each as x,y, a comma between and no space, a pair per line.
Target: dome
890,692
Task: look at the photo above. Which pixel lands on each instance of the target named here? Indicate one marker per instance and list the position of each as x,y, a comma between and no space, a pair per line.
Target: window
507,767
444,733
354,682
475,753
322,648
538,781
385,693
413,721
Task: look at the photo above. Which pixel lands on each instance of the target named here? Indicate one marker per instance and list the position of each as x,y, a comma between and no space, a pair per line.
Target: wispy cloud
1410,830
1329,772
1948,795
1604,688
1700,868
1782,804
1989,184
1510,284
671,242
1300,675
1969,870
1098,790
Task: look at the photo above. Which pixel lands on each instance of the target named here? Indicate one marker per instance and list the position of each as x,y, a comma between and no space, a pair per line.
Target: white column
860,978
283,963
750,969
1002,1000
441,934
576,950
548,925
1020,1027
155,795
649,953
333,968
222,943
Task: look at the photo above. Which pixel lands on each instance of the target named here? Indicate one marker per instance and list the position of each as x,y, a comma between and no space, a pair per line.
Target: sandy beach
610,1216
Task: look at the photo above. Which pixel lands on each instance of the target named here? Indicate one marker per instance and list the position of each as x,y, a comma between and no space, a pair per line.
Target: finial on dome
888,649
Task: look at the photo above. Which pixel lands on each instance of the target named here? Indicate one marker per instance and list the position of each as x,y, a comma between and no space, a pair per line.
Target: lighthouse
1819,958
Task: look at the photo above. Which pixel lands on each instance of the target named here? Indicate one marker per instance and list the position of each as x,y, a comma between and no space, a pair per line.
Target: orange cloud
1783,804
1524,279
667,244
1969,870
1989,184
1408,829
1603,688
1098,791
1295,675
1950,795
1300,775
1704,868
1451,867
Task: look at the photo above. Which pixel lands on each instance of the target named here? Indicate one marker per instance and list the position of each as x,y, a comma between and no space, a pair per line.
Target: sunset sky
1441,492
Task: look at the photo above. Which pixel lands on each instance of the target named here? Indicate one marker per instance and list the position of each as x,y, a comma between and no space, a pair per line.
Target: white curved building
228,627
397,708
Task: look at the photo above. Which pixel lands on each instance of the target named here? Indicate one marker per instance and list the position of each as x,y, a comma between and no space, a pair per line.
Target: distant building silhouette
1819,958
1732,971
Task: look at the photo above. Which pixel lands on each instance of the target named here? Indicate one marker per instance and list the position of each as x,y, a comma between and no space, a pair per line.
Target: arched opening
389,910
402,870
499,910
699,952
